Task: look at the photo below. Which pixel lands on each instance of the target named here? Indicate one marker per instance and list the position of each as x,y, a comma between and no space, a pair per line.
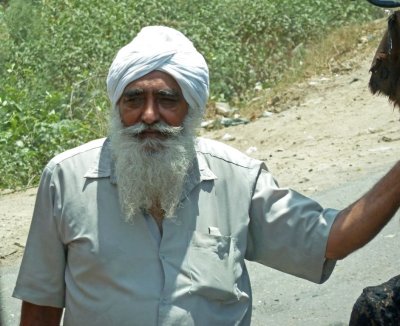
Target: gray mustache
160,127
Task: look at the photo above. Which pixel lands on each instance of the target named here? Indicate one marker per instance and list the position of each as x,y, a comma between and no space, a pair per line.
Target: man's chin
152,146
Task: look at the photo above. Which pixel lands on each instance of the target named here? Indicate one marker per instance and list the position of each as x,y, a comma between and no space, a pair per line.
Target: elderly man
151,226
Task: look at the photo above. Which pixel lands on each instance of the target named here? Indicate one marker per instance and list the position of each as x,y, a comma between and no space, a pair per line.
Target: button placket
163,301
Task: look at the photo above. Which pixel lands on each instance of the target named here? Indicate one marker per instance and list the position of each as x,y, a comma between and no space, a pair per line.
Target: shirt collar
103,164
203,168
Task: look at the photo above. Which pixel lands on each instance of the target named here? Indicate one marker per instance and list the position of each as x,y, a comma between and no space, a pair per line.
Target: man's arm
34,315
360,222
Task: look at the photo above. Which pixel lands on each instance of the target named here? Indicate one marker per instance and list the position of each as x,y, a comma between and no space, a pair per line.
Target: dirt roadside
336,132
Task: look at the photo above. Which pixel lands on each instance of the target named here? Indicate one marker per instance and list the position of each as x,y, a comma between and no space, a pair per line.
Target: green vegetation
55,55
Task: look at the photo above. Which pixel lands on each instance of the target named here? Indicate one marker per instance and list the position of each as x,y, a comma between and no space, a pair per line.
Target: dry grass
338,51
342,50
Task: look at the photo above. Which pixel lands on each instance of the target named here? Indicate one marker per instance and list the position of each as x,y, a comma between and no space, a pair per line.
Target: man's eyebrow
169,92
132,92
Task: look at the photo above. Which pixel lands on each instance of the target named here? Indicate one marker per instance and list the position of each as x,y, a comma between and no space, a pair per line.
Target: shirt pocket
215,268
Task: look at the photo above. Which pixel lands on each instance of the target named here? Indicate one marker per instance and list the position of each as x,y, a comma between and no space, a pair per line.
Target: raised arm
34,315
360,222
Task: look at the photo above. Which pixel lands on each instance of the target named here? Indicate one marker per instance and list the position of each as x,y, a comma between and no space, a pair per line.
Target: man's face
150,99
155,130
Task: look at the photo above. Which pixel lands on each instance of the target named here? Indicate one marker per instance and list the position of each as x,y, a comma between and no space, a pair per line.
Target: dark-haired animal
385,68
378,305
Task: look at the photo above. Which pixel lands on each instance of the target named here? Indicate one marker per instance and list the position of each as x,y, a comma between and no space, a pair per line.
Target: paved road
10,307
281,299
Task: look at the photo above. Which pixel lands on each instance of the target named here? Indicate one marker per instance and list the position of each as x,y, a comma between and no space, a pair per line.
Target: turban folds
164,49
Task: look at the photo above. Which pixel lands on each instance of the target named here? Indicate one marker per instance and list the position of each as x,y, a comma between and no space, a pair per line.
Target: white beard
151,172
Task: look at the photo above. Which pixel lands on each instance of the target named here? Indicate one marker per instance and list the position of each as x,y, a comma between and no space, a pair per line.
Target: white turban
164,49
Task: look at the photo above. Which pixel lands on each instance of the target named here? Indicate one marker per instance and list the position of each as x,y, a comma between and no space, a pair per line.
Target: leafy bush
55,55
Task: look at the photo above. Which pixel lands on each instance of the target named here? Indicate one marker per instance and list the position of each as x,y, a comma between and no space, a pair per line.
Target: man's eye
134,101
168,101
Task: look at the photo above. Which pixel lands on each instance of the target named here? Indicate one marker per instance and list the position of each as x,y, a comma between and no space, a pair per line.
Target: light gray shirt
83,256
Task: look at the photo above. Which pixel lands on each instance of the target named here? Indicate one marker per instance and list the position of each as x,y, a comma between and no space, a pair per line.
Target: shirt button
162,257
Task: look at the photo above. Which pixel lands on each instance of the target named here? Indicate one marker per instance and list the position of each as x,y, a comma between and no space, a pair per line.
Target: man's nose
150,113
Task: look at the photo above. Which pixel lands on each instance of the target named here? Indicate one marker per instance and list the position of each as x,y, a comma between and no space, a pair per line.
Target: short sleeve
41,276
288,231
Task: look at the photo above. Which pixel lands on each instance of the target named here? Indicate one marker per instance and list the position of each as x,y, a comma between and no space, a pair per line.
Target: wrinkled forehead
155,81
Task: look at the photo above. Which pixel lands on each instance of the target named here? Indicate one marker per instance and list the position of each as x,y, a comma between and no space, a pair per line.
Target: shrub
55,55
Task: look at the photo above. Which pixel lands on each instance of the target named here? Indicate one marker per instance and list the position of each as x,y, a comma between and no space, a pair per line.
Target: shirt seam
231,162
55,161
